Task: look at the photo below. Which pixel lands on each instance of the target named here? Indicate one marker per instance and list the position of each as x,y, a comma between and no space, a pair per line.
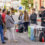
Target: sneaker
5,38
3,42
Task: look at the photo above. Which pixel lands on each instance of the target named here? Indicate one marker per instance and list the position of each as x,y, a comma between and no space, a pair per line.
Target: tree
26,3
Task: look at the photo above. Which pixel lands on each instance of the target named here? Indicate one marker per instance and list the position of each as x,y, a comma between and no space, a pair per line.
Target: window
41,3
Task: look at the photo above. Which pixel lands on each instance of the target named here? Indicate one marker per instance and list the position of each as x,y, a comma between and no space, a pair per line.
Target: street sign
20,8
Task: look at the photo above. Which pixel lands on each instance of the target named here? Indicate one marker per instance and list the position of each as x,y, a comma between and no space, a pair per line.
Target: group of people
7,23
27,20
32,19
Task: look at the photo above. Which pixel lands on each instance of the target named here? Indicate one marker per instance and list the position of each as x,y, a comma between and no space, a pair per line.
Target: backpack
1,20
42,37
21,28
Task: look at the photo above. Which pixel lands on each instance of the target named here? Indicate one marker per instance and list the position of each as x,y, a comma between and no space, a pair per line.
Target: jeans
26,26
1,32
11,33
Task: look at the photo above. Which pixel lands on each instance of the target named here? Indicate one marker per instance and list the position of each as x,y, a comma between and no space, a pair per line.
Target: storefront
38,4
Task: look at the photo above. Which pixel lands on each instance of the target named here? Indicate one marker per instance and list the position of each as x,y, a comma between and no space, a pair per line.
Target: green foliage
4,6
26,3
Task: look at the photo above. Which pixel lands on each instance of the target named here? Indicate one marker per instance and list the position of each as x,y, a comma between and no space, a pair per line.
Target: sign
20,8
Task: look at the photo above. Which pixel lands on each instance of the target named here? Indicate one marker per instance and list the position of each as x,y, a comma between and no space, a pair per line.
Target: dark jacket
1,22
42,15
33,18
20,17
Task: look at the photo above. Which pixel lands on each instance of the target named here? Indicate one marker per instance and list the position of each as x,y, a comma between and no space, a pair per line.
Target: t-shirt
3,17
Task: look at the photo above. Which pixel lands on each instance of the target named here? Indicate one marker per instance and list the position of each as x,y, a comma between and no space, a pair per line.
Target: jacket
33,18
1,22
42,15
9,21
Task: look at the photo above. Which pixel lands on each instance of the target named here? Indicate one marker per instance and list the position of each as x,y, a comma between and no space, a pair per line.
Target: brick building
38,4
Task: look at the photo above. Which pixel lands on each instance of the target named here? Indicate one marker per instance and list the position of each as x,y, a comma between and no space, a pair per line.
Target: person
42,15
13,14
10,26
3,19
33,17
21,17
33,20
26,20
1,29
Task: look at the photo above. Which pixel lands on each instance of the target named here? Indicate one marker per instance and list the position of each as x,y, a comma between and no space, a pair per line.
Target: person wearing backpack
1,29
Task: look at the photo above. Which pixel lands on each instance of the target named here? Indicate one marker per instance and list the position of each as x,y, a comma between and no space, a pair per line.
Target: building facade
38,4
10,3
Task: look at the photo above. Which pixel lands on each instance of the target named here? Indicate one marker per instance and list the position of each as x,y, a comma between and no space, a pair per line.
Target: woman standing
10,26
21,17
26,20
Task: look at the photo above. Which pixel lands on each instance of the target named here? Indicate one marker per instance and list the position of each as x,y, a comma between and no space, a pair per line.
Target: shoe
5,38
3,42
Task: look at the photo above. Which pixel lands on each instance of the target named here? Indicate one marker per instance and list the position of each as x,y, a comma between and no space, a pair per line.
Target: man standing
1,29
3,19
42,15
33,17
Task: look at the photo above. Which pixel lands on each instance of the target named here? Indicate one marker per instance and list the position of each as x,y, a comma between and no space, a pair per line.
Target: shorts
5,29
33,25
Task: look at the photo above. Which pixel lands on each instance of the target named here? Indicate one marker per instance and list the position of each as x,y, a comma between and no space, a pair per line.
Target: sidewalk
25,38
22,40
